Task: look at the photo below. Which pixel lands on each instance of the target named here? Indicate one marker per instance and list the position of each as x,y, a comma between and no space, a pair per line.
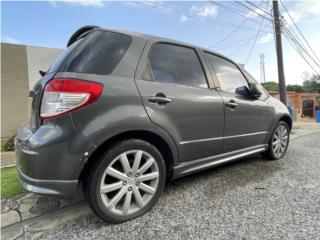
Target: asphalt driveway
248,199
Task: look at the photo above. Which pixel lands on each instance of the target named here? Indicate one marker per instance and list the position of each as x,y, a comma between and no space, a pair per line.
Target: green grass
8,144
10,185
3,146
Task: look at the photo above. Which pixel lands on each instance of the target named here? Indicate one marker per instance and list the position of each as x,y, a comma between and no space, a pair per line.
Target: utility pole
262,70
277,29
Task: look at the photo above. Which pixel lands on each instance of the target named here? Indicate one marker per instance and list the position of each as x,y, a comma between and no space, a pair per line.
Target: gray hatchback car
119,113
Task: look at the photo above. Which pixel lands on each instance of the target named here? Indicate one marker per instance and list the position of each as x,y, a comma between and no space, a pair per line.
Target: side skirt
212,161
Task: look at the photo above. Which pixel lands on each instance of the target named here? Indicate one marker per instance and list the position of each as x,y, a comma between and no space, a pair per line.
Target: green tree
271,86
296,88
313,84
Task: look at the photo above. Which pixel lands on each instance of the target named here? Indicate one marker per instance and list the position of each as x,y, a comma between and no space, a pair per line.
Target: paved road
249,199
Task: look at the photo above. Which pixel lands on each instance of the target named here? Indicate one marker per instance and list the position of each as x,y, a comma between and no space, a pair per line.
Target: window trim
145,57
214,73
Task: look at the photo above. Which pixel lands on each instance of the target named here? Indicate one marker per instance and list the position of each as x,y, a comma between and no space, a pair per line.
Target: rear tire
126,181
279,141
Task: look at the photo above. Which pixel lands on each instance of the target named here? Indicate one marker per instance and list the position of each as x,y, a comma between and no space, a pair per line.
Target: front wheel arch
286,119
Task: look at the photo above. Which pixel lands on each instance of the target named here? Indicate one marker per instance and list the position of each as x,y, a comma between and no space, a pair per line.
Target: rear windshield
97,53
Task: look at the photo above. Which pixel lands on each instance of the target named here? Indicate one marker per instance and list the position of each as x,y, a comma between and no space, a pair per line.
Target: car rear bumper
45,165
61,188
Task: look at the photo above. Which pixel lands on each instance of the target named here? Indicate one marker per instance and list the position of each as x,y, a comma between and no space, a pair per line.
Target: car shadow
217,180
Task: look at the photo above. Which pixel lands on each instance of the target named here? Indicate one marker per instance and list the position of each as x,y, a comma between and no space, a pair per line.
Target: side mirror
243,91
254,90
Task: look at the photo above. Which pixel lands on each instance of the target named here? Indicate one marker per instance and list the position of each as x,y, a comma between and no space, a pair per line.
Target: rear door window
170,63
228,74
97,53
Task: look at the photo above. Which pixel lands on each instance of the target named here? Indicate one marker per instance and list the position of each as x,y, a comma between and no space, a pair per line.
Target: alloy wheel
129,182
280,141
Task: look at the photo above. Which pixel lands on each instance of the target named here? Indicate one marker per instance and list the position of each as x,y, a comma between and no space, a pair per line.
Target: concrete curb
26,206
33,228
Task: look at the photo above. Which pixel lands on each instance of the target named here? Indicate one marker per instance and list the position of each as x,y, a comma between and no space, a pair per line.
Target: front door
174,89
246,119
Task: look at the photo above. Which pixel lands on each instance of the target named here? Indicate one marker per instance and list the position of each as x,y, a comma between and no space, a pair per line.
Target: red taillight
62,96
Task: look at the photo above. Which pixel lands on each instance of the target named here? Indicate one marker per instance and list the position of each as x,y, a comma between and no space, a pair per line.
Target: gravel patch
248,199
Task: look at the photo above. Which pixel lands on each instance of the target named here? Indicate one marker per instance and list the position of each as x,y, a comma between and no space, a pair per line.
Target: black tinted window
174,64
97,53
229,76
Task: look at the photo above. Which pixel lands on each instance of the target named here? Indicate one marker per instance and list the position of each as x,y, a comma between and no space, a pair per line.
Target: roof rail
80,33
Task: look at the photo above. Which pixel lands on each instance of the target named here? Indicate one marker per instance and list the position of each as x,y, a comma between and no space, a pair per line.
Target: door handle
160,98
232,104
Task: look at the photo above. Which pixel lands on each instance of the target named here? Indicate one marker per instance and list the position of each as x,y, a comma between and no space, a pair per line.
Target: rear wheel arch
156,140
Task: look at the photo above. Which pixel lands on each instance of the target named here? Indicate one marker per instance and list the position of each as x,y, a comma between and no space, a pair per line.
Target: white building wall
39,58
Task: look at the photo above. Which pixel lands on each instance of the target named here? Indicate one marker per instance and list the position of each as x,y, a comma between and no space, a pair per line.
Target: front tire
279,141
126,181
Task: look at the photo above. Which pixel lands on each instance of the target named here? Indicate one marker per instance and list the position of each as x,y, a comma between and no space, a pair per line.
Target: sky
226,27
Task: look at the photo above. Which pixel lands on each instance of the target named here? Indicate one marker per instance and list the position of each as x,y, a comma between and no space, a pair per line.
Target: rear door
246,118
173,84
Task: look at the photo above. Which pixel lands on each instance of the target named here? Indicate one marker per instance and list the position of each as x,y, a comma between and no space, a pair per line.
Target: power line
262,69
299,49
235,44
242,45
293,44
229,34
233,31
191,15
300,45
259,7
253,10
255,40
294,23
236,11
230,8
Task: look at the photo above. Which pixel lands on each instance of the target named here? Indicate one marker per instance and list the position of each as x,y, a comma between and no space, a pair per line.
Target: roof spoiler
81,32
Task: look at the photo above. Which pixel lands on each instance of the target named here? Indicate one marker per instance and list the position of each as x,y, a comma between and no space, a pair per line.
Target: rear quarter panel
119,108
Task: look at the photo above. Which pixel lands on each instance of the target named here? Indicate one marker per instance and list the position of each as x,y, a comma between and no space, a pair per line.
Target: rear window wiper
42,73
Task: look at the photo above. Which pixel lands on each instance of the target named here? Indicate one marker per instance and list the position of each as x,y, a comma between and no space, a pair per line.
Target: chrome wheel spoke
116,174
136,162
117,197
127,202
148,176
110,187
138,197
146,188
275,146
125,163
146,166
